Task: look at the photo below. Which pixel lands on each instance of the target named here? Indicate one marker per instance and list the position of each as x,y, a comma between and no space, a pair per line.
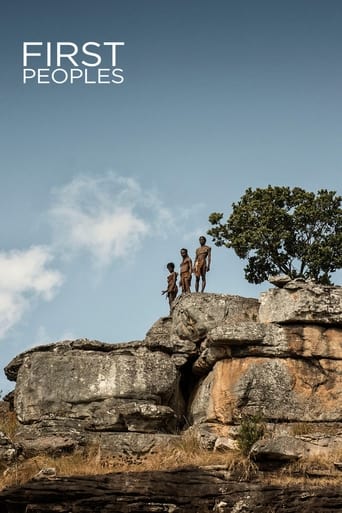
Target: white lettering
48,54
75,73
92,54
117,75
27,54
28,73
103,75
113,45
59,70
42,74
66,55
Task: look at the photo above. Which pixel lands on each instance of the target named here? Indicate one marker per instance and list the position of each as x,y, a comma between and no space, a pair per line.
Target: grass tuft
9,424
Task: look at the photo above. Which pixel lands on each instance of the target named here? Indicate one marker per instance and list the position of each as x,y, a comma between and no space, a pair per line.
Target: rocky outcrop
215,360
101,390
186,490
71,394
304,302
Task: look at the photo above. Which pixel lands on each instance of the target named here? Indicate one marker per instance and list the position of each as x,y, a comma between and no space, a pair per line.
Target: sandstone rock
186,490
239,340
46,473
75,383
299,340
8,450
131,444
141,416
321,440
195,314
158,336
84,392
236,333
281,449
58,348
224,443
53,438
279,280
223,340
314,341
281,389
208,357
208,434
72,394
302,302
69,397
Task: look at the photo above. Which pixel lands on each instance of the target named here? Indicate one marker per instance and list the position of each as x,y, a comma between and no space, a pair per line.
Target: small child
172,289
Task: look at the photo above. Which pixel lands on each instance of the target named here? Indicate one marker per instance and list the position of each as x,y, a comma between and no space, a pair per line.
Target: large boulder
238,340
74,393
280,389
194,315
304,302
79,384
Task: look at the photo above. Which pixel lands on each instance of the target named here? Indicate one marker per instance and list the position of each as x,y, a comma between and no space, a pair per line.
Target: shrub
251,429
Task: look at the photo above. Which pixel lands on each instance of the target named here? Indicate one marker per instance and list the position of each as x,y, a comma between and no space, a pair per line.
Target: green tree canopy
284,231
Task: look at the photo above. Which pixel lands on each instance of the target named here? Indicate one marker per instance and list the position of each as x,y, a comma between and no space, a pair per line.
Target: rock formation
187,490
215,361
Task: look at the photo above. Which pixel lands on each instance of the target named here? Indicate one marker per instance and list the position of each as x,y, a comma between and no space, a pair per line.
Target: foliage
284,231
251,430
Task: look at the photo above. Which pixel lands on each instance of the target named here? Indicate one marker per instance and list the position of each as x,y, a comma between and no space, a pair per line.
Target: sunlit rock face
214,360
302,302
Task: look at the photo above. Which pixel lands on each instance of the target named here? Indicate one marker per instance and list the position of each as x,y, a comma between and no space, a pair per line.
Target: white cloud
23,276
107,216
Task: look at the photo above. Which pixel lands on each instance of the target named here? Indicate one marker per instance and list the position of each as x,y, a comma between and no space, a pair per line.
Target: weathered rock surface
195,314
216,359
302,302
56,438
281,389
72,394
182,491
8,451
85,385
284,448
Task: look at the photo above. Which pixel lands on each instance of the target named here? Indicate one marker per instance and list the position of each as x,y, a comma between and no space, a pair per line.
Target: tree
284,231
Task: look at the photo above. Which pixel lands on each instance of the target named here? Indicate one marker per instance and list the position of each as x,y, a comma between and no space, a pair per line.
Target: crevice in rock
187,384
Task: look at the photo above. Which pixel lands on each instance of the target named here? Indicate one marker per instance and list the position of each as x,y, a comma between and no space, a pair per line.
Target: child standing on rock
185,271
172,289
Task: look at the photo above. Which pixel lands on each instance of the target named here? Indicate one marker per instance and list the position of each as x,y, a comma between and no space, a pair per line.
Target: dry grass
314,466
9,424
182,453
314,482
186,451
309,428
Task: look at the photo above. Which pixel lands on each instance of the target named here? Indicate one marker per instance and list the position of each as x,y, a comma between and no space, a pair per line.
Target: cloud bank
107,216
24,275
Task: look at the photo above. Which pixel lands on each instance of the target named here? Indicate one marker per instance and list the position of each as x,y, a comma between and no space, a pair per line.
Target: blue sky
101,185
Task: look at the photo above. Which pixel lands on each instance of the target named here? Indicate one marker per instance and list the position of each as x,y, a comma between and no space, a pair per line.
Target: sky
103,184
